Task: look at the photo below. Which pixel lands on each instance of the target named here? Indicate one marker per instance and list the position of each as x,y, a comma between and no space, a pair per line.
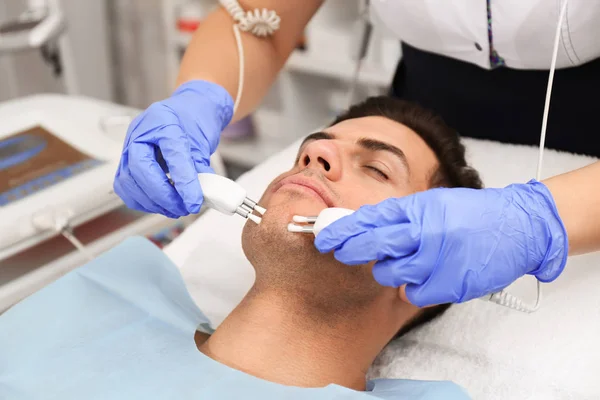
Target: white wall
88,34
140,52
7,78
88,20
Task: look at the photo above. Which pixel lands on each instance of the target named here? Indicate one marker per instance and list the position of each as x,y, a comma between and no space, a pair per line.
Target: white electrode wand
316,224
224,195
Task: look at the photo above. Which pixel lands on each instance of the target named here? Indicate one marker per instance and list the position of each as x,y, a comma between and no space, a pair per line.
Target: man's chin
275,223
271,237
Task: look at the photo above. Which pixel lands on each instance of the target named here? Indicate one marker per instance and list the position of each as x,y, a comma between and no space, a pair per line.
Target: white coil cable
502,297
260,23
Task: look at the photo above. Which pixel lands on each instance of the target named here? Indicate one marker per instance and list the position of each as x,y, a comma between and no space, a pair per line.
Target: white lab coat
523,30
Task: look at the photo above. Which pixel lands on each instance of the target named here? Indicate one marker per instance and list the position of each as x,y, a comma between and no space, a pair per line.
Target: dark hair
445,142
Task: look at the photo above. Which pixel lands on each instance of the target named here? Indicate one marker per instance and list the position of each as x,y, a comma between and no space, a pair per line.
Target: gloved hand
186,129
453,245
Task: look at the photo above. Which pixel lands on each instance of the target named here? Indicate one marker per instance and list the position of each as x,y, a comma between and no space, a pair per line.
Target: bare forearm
577,196
212,54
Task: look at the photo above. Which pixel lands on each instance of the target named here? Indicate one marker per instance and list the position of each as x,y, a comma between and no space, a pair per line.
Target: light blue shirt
122,327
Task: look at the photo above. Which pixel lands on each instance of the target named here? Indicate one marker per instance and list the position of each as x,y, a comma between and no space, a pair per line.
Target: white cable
561,18
260,23
506,299
59,222
68,233
62,226
503,297
240,48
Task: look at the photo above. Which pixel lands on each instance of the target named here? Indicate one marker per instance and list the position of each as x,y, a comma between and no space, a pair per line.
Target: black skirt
506,104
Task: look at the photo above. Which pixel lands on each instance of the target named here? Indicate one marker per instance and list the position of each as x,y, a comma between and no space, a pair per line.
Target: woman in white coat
483,65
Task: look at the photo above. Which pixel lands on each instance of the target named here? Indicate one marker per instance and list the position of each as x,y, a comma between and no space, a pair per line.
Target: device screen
35,159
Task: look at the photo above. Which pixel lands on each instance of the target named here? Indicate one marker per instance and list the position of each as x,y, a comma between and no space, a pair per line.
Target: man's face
353,163
356,162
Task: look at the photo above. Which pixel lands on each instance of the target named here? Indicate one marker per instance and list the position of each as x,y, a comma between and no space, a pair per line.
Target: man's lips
308,184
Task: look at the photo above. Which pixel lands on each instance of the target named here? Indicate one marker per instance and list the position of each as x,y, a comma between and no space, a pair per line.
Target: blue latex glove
186,129
453,245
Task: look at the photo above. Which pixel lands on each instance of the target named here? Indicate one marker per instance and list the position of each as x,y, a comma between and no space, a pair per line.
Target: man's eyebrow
377,145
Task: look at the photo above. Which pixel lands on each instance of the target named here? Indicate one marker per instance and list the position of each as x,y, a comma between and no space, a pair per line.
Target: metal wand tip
300,228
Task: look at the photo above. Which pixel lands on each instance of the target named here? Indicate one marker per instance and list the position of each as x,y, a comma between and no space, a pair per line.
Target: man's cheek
265,199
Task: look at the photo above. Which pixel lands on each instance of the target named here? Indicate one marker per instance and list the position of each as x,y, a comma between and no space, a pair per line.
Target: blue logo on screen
17,150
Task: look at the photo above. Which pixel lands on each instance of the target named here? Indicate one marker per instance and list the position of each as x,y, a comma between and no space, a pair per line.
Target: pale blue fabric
122,327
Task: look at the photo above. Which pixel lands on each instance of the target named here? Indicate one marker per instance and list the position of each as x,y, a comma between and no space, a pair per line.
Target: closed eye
377,171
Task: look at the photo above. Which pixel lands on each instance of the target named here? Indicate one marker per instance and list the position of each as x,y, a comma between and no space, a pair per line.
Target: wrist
208,95
552,229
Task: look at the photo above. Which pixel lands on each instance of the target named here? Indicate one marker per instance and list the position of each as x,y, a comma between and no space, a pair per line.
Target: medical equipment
33,28
316,224
56,168
226,196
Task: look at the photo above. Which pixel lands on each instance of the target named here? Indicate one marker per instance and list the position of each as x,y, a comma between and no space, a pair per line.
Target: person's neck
275,338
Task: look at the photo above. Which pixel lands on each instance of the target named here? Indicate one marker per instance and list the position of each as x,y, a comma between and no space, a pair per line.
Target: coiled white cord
506,299
503,297
260,23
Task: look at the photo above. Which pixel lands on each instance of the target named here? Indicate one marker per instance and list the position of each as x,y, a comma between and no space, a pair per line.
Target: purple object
242,129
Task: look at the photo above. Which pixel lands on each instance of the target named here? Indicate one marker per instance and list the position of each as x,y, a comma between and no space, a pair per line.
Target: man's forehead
374,127
377,128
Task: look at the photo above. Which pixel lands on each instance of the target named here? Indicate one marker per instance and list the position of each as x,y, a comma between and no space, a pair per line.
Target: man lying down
122,327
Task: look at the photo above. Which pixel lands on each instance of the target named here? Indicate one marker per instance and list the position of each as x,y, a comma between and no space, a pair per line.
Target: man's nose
323,155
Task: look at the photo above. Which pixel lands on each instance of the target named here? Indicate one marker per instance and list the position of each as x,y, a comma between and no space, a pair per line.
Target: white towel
497,353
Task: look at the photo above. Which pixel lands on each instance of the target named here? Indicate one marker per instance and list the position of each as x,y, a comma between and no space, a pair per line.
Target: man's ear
402,295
